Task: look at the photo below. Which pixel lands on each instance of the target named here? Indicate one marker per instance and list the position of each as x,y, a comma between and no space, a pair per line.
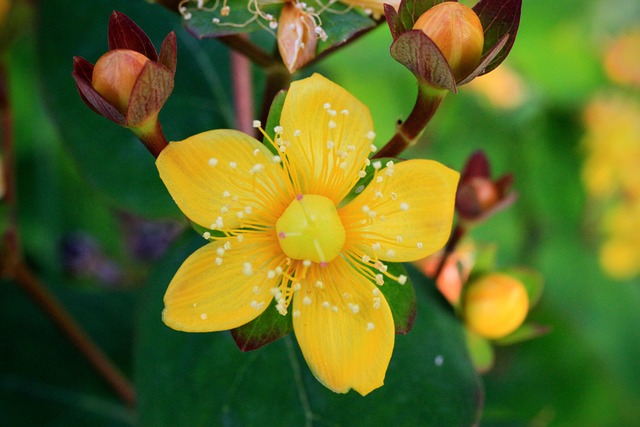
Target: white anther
213,162
247,269
402,279
306,300
404,206
257,123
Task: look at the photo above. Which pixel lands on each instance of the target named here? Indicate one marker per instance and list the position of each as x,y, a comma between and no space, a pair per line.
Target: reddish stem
408,132
11,237
13,267
242,92
67,324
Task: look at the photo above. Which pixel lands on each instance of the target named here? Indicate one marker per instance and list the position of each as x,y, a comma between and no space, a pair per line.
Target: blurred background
101,233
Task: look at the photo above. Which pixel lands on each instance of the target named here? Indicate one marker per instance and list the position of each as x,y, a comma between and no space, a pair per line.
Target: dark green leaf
401,298
274,116
240,19
204,380
110,158
341,24
266,328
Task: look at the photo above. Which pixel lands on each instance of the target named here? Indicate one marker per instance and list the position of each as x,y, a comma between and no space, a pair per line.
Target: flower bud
297,37
495,305
114,75
458,33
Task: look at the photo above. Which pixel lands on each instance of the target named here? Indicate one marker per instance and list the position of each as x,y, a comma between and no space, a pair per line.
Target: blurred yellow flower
620,253
611,174
622,61
503,87
281,226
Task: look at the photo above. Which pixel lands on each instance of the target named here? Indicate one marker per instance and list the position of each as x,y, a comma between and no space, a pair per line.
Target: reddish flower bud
479,196
495,305
114,75
130,83
457,31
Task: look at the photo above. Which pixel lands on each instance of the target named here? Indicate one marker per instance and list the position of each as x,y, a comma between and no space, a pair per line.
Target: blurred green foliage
78,173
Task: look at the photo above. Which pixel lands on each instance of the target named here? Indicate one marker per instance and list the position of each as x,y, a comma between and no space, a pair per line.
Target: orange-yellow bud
458,33
495,305
114,75
297,37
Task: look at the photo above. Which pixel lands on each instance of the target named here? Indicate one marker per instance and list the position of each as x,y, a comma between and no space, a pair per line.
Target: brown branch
13,267
67,324
11,237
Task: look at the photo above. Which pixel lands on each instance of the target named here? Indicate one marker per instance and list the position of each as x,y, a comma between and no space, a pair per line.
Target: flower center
310,229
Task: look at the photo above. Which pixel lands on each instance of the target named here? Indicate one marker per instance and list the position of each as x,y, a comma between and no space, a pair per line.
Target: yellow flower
280,227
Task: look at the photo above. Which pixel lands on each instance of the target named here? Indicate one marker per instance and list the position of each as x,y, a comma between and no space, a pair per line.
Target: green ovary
310,229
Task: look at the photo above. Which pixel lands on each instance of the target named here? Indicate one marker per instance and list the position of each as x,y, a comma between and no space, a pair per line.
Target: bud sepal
130,83
422,56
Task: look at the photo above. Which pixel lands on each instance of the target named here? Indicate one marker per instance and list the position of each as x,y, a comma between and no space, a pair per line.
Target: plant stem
407,133
458,233
242,91
248,49
67,324
278,78
14,268
11,237
152,136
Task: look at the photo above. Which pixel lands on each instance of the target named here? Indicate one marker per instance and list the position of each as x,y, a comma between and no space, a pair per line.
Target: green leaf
532,281
203,379
109,157
527,331
401,298
274,117
340,22
481,352
240,19
266,328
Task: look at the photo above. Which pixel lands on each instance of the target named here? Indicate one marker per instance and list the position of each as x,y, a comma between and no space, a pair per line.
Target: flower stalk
408,132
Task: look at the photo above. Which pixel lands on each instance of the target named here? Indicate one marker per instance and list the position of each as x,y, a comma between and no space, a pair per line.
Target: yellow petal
217,289
329,135
405,213
375,6
216,177
344,328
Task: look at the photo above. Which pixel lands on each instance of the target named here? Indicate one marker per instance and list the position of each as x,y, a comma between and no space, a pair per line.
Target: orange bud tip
458,33
114,75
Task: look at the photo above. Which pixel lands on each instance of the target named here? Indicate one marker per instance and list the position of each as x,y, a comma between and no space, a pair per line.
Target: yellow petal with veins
328,135
221,179
405,213
344,328
217,289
